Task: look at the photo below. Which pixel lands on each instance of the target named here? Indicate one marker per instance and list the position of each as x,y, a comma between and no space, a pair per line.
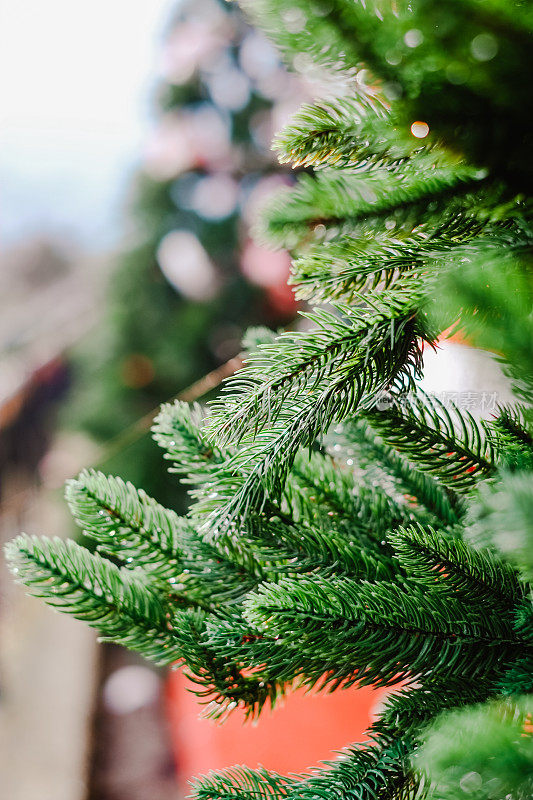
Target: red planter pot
302,731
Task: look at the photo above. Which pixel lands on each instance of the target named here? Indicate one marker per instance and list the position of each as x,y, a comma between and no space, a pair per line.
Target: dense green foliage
345,528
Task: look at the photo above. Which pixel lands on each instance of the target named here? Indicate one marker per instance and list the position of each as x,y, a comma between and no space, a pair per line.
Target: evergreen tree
179,299
346,529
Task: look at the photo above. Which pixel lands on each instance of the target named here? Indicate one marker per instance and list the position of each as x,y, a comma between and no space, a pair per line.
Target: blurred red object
270,270
281,301
303,730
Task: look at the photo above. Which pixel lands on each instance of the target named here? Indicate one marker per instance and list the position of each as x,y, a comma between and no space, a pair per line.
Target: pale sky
74,110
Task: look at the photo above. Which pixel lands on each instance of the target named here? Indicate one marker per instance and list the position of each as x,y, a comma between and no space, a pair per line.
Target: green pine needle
114,601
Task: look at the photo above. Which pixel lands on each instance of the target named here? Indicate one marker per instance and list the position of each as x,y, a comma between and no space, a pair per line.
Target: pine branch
295,568
322,545
514,438
518,677
324,34
486,749
343,132
241,783
407,713
179,430
341,35
127,523
502,517
344,267
384,633
317,481
298,361
221,684
290,546
359,773
116,602
133,528
448,566
380,464
126,611
388,354
334,198
458,451
283,544
490,297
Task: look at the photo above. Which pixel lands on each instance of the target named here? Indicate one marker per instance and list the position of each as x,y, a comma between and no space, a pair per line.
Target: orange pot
302,730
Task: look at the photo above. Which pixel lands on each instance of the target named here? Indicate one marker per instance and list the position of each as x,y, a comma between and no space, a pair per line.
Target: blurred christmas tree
193,281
